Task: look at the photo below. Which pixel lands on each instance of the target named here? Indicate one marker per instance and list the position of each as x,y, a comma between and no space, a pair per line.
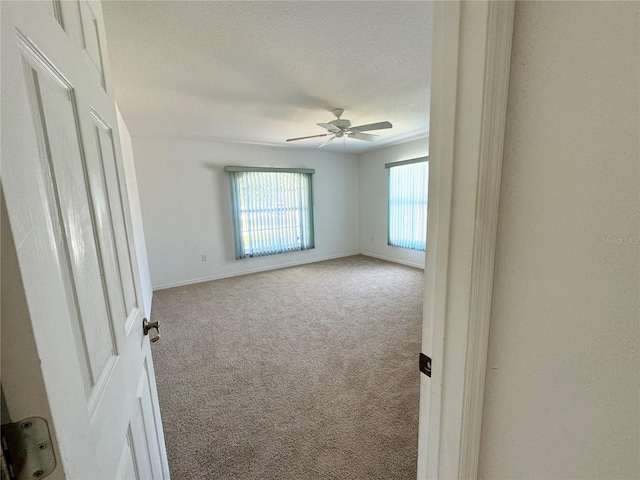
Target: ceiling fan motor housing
341,123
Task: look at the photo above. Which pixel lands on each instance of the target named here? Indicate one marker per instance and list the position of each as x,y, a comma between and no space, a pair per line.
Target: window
272,210
408,184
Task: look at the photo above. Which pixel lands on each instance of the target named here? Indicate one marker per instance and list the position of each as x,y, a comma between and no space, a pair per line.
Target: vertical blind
272,210
408,184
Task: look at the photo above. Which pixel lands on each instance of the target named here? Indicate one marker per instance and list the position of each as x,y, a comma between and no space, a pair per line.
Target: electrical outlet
204,257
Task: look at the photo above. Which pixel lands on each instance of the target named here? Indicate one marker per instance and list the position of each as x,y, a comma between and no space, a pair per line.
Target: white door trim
470,73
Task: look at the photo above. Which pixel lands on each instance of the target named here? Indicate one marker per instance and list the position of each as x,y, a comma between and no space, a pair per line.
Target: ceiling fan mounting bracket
342,124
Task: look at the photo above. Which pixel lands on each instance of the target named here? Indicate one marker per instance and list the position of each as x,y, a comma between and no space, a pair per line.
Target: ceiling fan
341,128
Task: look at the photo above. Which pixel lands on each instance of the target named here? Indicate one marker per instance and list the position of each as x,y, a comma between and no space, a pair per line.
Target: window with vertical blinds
272,210
407,220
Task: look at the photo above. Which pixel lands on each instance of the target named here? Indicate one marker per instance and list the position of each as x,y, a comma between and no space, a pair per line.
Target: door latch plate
28,449
425,364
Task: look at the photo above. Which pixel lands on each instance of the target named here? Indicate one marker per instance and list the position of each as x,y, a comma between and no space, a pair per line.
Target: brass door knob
148,326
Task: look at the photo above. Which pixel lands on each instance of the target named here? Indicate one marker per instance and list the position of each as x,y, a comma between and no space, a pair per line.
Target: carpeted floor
308,372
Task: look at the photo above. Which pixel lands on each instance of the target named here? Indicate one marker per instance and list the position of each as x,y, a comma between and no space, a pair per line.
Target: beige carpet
308,372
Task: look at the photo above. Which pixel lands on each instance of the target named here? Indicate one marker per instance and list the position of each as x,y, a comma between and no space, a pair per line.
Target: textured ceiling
262,72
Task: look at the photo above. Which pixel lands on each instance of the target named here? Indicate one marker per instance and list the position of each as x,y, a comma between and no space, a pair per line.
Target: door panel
56,10
66,200
55,121
66,13
145,403
127,468
113,193
105,227
91,38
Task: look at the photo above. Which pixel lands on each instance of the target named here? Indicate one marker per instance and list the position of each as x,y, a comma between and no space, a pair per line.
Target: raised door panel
152,422
56,9
113,186
144,432
67,14
128,468
55,120
104,225
90,36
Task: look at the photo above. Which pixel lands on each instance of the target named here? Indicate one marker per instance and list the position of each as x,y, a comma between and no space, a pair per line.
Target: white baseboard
394,260
247,272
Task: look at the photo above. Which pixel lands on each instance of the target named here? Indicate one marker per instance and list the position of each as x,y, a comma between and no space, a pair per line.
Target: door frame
469,90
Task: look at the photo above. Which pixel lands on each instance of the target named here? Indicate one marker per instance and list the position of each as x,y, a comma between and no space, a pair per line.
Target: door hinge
27,451
4,468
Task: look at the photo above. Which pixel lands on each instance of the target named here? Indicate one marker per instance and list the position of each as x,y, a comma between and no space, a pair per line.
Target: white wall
136,214
184,194
562,385
374,197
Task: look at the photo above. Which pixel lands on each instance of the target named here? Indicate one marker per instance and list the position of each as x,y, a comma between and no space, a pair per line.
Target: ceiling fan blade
329,126
372,126
364,136
310,136
327,141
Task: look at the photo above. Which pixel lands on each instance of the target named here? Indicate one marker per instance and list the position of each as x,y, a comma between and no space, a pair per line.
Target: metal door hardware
425,364
147,326
27,450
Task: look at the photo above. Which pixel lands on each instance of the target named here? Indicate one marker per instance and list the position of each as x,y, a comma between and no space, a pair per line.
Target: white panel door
65,194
